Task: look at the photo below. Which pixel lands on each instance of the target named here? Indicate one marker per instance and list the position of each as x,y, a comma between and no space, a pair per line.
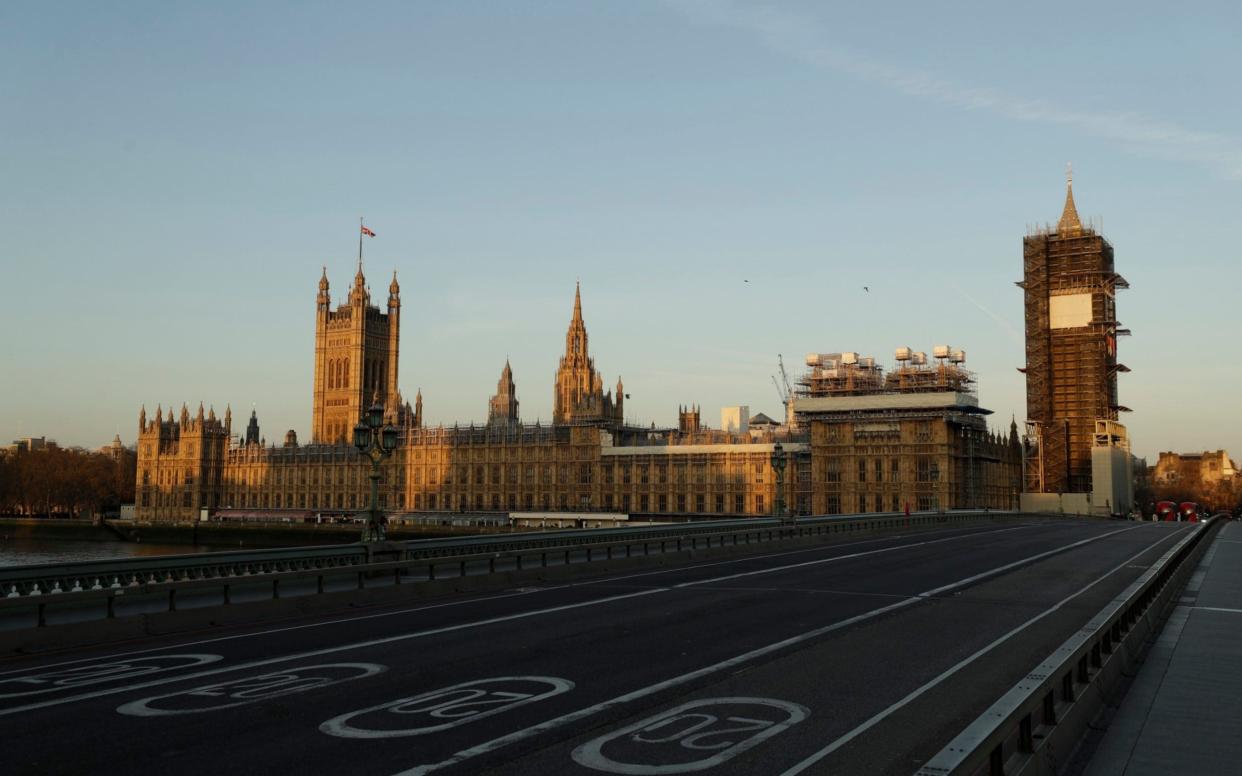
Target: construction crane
784,377
783,388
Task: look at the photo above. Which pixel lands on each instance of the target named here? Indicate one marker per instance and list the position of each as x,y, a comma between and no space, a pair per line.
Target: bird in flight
867,289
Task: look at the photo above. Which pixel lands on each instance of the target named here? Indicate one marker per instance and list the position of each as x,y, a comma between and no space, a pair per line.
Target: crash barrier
111,589
1033,727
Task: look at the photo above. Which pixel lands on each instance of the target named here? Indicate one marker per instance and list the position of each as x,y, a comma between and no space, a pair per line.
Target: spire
393,289
142,419
577,301
323,279
1069,223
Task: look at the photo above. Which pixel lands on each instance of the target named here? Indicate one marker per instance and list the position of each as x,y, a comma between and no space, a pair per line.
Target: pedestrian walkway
1183,714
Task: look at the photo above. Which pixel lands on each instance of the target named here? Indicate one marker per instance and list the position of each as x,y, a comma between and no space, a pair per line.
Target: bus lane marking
958,534
397,638
250,689
737,660
447,707
41,682
694,736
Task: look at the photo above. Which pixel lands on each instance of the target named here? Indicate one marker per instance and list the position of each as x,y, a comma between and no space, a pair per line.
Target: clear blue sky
175,174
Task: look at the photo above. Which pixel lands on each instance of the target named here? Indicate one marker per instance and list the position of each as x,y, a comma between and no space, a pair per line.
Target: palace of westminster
857,440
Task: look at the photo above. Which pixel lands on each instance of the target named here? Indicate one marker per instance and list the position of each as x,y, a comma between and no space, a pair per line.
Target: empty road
851,657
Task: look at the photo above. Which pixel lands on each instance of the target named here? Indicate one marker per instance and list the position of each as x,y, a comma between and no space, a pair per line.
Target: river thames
26,552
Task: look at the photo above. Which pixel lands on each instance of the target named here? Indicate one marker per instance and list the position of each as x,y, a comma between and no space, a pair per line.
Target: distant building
735,420
588,460
114,450
1207,469
1070,286
30,444
502,410
915,438
579,396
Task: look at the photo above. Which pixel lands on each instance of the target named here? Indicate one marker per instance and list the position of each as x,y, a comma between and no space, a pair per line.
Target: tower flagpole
360,243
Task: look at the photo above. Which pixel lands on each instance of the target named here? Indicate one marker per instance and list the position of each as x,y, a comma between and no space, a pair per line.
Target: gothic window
862,469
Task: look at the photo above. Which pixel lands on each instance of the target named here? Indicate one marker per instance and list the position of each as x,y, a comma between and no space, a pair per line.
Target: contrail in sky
1004,324
808,41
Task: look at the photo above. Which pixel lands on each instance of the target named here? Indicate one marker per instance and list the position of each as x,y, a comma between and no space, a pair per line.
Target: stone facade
579,395
586,461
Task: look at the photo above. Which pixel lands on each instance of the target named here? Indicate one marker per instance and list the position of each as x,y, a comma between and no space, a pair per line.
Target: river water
25,552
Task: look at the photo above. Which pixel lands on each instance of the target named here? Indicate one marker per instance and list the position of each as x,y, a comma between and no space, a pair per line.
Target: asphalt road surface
850,658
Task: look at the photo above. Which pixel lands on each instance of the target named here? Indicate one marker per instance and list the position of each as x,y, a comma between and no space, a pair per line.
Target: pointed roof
1069,223
577,300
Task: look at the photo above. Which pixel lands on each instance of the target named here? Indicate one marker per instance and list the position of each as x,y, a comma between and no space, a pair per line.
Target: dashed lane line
738,660
479,623
501,596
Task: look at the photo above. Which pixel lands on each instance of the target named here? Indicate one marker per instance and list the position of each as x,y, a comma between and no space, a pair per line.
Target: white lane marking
96,673
822,561
404,637
723,665
340,648
1217,609
694,730
252,689
834,546
502,596
879,717
459,704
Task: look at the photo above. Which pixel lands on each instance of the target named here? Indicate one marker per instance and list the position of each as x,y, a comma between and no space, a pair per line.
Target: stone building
914,439
580,396
587,460
502,410
1070,286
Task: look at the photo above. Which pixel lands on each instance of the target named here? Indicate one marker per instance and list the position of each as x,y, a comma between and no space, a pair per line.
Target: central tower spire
1069,223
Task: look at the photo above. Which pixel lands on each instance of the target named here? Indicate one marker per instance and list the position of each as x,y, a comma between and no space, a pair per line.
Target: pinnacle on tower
577,301
1069,223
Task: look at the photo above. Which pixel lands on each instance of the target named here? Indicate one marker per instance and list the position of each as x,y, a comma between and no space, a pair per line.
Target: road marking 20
447,707
675,740
97,673
250,689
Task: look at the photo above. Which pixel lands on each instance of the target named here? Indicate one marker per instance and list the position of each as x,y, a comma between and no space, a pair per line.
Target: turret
324,300
142,419
394,292
228,420
252,429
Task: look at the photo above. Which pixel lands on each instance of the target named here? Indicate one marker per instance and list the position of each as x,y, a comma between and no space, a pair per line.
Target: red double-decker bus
1166,510
1189,512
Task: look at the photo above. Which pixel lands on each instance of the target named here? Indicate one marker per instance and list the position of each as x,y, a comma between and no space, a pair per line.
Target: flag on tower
368,232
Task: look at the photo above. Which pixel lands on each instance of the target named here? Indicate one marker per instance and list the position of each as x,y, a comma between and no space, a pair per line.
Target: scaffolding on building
849,374
1071,351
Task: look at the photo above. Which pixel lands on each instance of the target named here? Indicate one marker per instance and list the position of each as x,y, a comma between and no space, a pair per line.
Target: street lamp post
375,441
779,459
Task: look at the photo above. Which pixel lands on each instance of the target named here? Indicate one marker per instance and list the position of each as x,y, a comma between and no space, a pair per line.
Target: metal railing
1060,697
94,589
